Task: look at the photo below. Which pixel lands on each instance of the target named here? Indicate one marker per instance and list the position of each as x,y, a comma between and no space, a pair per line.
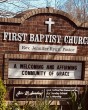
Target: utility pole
48,3
55,4
61,107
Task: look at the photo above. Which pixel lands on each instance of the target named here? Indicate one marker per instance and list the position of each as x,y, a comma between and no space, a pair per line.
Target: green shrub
29,106
13,106
2,96
84,99
80,101
42,104
74,101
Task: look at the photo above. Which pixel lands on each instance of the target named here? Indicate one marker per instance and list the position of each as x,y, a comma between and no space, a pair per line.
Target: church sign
43,54
44,69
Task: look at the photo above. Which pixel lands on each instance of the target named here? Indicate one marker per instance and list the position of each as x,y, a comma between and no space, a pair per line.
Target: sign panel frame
52,93
42,73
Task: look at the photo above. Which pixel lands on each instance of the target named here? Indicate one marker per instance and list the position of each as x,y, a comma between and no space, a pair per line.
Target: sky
17,6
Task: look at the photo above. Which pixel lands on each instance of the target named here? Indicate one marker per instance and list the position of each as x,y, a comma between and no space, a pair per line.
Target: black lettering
50,67
62,73
66,67
15,66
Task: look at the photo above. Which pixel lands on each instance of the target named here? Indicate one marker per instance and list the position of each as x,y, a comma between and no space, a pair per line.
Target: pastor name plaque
61,93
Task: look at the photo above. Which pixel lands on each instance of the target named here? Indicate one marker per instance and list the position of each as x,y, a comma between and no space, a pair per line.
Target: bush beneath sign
13,106
39,105
2,96
79,101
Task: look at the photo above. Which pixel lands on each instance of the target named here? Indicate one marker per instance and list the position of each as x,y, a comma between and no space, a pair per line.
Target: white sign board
44,70
47,48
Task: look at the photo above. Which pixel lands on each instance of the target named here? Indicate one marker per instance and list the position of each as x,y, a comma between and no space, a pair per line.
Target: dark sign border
53,91
82,68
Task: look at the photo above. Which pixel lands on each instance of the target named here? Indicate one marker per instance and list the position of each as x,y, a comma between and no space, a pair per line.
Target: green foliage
74,101
13,106
79,102
55,107
40,104
2,96
84,99
29,106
